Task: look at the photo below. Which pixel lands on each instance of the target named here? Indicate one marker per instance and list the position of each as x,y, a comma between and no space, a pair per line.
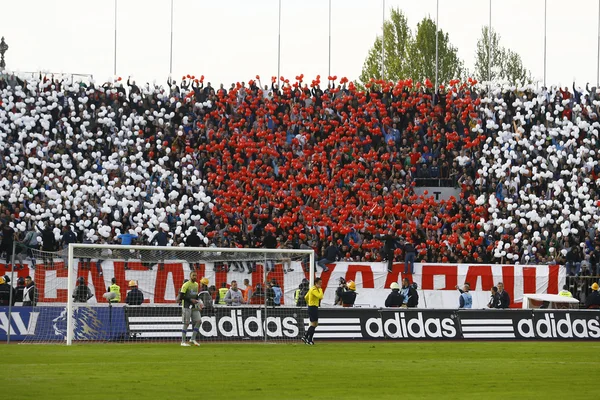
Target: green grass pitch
328,370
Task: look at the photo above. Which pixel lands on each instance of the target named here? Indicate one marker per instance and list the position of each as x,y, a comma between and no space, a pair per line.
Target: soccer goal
113,293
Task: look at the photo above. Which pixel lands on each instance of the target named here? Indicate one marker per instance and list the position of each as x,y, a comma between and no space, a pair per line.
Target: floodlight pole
437,21
383,44
115,46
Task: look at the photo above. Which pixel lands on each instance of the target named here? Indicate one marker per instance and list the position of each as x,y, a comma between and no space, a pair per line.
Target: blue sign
49,323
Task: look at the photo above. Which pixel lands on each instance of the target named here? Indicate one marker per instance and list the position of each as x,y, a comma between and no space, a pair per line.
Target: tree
397,41
422,54
513,70
411,57
505,63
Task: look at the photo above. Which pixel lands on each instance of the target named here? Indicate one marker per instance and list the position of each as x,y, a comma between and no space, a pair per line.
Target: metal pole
70,265
279,45
383,43
264,282
329,70
545,7
598,57
490,45
437,21
115,55
171,53
10,296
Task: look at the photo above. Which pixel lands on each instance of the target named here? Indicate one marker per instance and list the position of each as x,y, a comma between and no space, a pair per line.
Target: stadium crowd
299,164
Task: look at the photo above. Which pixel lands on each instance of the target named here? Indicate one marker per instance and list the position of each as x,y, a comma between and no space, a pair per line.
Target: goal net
132,293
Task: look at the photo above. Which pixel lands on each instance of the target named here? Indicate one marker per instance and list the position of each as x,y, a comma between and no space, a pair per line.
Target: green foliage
408,56
505,64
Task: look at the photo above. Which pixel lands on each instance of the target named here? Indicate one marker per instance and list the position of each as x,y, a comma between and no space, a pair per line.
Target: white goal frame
73,246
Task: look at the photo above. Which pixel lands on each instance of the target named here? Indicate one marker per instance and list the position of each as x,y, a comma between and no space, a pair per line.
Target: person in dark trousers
30,293
332,254
494,298
409,257
5,292
19,289
48,245
301,292
593,299
193,240
389,245
6,246
503,297
574,261
313,298
82,292
135,297
270,242
349,295
161,238
394,299
338,292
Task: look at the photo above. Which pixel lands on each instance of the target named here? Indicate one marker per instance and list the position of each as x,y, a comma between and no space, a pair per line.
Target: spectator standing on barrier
161,239
565,292
19,289
503,297
394,299
30,293
8,237
301,292
116,289
126,240
5,292
465,299
349,295
313,299
389,245
574,259
31,242
82,291
234,296
593,299
48,245
332,254
409,257
191,306
135,297
494,298
193,240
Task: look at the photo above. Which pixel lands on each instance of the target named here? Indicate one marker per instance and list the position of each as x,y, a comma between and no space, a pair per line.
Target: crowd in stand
301,164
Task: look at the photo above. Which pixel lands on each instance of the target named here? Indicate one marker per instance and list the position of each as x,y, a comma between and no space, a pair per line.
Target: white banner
436,282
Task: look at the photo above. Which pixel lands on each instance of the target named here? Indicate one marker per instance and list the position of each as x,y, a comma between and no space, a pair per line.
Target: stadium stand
307,165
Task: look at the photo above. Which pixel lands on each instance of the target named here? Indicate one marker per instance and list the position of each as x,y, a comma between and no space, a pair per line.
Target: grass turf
362,370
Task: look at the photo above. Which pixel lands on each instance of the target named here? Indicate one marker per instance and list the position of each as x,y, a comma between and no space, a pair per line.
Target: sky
235,40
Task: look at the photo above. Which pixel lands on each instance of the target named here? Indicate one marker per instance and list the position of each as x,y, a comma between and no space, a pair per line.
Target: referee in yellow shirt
313,300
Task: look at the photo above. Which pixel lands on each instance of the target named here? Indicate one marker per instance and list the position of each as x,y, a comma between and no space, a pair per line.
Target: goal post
270,313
